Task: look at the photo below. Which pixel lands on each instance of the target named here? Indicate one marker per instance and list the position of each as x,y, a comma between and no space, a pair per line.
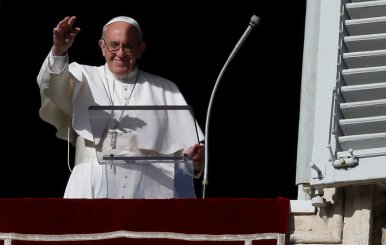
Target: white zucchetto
126,19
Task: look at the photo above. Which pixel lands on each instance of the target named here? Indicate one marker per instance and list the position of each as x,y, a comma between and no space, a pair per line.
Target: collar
130,79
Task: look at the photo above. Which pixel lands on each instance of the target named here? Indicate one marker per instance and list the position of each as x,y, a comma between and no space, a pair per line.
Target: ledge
301,207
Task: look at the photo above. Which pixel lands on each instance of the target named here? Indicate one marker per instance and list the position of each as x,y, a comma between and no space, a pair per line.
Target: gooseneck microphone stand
252,23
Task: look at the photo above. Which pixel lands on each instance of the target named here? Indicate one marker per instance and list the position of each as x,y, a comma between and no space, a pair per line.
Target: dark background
254,123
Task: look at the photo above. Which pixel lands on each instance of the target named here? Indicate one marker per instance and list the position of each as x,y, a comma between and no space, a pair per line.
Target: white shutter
357,142
362,87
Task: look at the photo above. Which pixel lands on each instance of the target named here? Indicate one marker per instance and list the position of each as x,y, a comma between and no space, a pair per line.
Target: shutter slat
356,76
356,1
370,108
365,125
363,141
365,59
365,42
355,93
366,26
366,9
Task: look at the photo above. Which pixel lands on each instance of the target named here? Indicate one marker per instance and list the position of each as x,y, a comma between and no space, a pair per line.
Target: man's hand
64,35
197,152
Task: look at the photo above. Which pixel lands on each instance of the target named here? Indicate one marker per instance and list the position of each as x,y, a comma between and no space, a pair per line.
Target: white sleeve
56,90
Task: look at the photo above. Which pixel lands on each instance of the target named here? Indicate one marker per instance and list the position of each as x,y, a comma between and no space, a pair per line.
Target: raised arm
64,35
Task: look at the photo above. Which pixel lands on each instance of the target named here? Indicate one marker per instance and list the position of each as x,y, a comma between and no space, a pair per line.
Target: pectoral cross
114,137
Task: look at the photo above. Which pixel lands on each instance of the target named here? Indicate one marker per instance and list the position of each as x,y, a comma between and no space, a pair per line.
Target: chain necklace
115,132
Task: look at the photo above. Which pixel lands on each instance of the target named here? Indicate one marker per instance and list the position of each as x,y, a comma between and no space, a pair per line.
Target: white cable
68,149
252,23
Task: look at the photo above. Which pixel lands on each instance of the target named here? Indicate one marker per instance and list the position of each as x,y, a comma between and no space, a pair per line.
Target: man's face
121,48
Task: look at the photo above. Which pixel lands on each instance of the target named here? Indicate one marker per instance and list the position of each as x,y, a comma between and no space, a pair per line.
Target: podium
149,139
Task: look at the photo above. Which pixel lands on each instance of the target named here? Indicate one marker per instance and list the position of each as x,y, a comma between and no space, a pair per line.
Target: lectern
129,137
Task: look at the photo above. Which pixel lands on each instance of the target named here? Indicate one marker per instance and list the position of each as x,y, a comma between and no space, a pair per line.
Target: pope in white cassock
68,90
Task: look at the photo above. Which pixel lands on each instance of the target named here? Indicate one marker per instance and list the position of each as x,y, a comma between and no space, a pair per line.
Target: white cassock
67,91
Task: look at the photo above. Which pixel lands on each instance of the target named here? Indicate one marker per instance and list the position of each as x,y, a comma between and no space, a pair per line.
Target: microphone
252,23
